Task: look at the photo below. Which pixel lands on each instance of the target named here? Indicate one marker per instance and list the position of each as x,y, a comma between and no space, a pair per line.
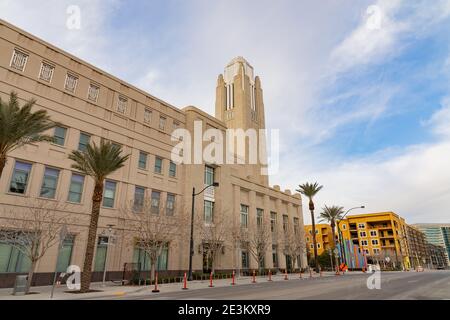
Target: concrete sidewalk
113,291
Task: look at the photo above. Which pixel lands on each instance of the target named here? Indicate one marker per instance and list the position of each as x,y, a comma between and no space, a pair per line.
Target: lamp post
340,232
191,244
110,235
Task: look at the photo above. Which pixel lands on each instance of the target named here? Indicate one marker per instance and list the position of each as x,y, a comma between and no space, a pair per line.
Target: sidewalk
111,290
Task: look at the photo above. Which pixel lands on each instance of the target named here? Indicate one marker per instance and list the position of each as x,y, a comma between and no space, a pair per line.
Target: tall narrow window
208,211
71,82
93,92
46,72
162,123
296,226
275,256
244,216
209,175
139,194
170,204
84,141
100,255
158,165
156,196
109,194
19,180
273,221
50,183
244,259
76,188
172,169
11,258
259,217
143,160
147,116
65,254
60,135
19,60
285,223
122,104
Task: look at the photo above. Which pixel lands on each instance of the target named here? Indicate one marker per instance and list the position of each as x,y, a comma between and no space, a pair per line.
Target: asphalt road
393,285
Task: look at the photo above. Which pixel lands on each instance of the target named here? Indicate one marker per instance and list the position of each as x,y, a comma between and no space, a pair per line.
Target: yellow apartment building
324,238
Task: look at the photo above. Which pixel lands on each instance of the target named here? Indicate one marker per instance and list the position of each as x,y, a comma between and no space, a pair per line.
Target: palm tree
20,126
97,162
330,215
310,190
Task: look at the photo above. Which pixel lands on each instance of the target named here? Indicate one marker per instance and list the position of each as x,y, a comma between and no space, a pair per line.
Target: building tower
239,103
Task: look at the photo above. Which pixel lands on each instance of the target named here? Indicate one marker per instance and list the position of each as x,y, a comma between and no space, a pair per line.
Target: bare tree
34,230
293,244
153,227
256,239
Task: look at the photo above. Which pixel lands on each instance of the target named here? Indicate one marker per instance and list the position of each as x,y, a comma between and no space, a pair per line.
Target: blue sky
363,108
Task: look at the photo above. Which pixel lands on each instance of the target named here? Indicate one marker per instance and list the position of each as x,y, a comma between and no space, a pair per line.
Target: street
394,285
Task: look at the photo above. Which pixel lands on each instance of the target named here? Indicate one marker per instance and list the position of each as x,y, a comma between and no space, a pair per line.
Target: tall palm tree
331,215
310,190
97,162
20,126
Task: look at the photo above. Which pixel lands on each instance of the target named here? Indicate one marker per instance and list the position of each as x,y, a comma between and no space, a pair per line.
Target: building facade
92,105
324,238
438,235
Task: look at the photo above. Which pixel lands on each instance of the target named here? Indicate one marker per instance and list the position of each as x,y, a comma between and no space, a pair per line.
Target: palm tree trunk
92,237
333,233
2,164
316,259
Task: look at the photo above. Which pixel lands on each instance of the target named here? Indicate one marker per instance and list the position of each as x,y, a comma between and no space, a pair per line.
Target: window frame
76,78
115,194
57,137
82,187
56,182
79,140
23,52
142,153
52,72
28,177
160,168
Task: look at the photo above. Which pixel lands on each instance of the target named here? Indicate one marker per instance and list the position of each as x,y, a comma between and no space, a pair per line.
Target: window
366,251
364,242
344,226
143,258
162,123
46,72
100,255
93,92
176,125
71,82
142,160
307,239
139,194
311,246
19,60
244,259
147,116
76,188
158,165
296,226
122,104
318,246
84,141
170,204
373,233
65,254
60,135
208,211
50,183
12,259
109,194
244,216
259,217
275,256
156,196
273,221
376,251
172,169
19,180
209,175
374,242
363,234
361,225
285,223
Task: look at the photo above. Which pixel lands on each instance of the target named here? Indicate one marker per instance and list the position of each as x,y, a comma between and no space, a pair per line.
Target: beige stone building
92,105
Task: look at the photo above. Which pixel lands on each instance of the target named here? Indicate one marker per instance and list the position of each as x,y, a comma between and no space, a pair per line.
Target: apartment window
296,226
376,251
84,141
373,233
363,234
273,221
156,196
19,180
244,259
275,256
244,216
65,254
259,217
364,242
172,169
139,194
142,160
122,104
208,211
19,60
109,194
71,82
170,204
318,246
100,254
361,225
50,183
344,226
366,251
93,92
158,165
209,175
162,123
374,242
76,188
285,223
147,116
46,72
60,135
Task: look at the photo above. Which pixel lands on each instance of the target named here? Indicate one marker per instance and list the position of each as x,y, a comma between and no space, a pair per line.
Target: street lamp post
191,244
340,232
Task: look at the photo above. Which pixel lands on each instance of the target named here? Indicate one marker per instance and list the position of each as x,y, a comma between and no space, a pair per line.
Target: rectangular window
170,204
285,223
209,175
158,165
19,180
373,233
375,242
172,169
176,125
244,216
93,92
275,256
50,183
142,160
65,254
364,242
122,104
60,135
84,141
162,123
12,259
361,225
209,211
363,234
147,116
156,196
296,226
109,194
100,255
376,251
19,60
139,195
71,82
273,221
244,259
46,72
259,217
76,188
